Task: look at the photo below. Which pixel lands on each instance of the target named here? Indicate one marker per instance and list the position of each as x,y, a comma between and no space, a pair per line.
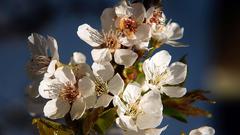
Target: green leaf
105,120
174,114
47,127
90,120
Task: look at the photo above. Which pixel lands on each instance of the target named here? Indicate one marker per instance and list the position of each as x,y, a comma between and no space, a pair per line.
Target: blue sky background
194,16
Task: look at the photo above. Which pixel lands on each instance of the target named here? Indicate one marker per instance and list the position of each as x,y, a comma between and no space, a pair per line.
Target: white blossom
43,51
162,32
66,93
205,130
105,44
163,78
130,20
78,58
106,90
137,112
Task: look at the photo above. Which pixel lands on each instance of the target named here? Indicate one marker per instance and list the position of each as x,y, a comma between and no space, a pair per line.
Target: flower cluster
123,75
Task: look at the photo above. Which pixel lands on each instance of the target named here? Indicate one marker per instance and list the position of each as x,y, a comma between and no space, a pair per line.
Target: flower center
128,26
160,78
69,93
133,110
101,86
157,17
111,40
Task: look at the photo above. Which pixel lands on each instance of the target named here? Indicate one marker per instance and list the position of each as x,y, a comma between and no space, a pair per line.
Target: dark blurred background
211,29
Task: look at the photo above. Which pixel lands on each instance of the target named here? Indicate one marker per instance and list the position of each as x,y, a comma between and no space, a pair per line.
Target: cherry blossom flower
203,131
162,32
130,21
41,58
133,109
67,92
107,44
106,90
164,78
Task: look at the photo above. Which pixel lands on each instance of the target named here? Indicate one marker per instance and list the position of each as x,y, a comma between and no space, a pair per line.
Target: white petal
56,108
52,43
91,101
149,12
155,131
116,84
78,58
143,32
126,42
65,75
120,124
178,73
138,11
101,55
142,45
121,106
146,121
78,109
104,70
147,71
176,44
125,57
131,132
89,35
132,92
108,19
83,69
50,88
160,37
86,86
51,68
151,101
123,9
128,122
203,131
104,100
161,58
173,91
174,31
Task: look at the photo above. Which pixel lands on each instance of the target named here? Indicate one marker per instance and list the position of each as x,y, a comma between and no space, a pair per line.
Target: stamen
133,110
69,93
95,36
101,86
159,78
128,26
111,40
157,17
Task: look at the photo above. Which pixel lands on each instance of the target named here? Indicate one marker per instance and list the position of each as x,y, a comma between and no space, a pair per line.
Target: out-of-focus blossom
162,32
40,58
203,131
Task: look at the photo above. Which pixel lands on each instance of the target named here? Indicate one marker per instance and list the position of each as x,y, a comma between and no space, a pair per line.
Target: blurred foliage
47,127
105,120
179,108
